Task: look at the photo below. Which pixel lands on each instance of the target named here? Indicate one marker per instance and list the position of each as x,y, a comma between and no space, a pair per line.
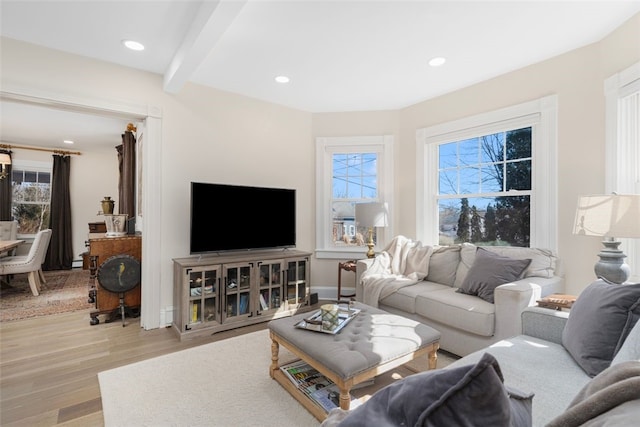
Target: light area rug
225,383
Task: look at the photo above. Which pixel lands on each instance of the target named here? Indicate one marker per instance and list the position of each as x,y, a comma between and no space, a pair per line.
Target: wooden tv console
213,293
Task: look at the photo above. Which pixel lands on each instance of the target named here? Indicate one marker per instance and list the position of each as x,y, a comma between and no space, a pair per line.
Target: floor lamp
609,216
371,215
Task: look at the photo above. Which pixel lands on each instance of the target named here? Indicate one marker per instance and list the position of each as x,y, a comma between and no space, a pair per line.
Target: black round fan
119,274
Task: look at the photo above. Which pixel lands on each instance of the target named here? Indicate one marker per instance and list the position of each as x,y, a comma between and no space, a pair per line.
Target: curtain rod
26,147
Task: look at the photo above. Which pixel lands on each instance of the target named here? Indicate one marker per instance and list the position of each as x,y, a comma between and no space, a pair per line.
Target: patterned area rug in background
65,291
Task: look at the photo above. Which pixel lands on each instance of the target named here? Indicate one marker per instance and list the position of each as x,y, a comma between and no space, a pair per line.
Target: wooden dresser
101,248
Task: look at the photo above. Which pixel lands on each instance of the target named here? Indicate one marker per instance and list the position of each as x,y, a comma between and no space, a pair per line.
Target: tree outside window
484,189
31,199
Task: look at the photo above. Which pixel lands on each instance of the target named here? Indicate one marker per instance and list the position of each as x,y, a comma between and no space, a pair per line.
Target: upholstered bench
372,343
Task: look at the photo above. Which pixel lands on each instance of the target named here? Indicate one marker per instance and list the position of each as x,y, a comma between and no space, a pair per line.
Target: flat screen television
235,217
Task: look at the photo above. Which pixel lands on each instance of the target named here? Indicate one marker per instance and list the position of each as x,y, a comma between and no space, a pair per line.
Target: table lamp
610,216
371,215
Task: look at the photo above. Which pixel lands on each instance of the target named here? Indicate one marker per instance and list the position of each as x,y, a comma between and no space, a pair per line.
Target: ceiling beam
210,24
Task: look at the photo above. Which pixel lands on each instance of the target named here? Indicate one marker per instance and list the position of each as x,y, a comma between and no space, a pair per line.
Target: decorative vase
116,225
107,205
329,315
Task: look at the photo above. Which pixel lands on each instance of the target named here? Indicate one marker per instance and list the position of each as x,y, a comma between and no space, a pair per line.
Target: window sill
350,253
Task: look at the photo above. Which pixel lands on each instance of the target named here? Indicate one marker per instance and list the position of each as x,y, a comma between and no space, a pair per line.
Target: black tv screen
234,217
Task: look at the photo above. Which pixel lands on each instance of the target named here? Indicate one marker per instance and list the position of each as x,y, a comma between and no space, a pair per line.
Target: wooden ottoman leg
345,398
275,349
433,356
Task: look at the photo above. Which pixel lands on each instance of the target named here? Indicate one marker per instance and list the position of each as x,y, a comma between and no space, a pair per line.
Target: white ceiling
340,55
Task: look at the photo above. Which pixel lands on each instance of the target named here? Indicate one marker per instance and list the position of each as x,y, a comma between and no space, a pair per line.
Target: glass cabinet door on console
297,284
203,297
270,285
237,282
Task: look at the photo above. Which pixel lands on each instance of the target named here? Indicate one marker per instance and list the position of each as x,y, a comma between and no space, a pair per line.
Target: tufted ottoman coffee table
373,342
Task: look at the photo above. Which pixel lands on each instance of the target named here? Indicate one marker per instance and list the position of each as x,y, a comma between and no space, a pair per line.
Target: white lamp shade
613,215
372,214
5,159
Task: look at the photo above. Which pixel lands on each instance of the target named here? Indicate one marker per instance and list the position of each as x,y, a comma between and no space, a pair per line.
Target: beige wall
209,135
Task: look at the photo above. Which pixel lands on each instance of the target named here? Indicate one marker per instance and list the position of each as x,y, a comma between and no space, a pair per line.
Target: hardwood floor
49,365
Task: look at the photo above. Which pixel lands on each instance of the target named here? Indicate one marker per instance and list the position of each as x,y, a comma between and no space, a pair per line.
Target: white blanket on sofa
404,262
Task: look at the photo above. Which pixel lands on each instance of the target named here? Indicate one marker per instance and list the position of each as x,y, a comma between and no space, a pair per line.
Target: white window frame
541,115
33,166
325,148
622,146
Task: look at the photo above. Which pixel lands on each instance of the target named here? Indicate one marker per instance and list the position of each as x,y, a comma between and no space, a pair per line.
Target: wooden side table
346,266
102,248
557,301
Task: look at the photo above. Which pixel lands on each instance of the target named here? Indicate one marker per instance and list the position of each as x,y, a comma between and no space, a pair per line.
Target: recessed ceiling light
66,141
437,61
133,45
282,79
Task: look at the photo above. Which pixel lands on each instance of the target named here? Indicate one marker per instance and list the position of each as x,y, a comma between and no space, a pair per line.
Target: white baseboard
331,292
166,317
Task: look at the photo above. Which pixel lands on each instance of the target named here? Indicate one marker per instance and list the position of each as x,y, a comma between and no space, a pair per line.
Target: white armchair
30,263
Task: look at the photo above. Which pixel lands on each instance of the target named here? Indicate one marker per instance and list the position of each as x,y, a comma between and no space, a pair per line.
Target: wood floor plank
80,410
95,419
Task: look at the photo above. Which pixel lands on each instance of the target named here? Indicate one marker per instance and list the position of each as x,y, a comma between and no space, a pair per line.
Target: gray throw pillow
443,264
630,350
462,396
599,322
489,271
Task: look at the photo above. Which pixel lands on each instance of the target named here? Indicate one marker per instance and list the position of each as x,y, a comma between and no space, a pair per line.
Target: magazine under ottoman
372,343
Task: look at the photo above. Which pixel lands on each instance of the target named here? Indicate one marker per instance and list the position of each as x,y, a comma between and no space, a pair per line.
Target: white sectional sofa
467,322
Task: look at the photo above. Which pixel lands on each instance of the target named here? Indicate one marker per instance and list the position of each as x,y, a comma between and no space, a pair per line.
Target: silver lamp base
611,266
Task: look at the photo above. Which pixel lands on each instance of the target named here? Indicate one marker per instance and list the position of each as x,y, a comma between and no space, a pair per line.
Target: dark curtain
60,253
127,182
6,193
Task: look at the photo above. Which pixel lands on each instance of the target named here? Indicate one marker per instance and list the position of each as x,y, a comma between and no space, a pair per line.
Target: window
484,189
31,185
622,92
489,179
350,170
